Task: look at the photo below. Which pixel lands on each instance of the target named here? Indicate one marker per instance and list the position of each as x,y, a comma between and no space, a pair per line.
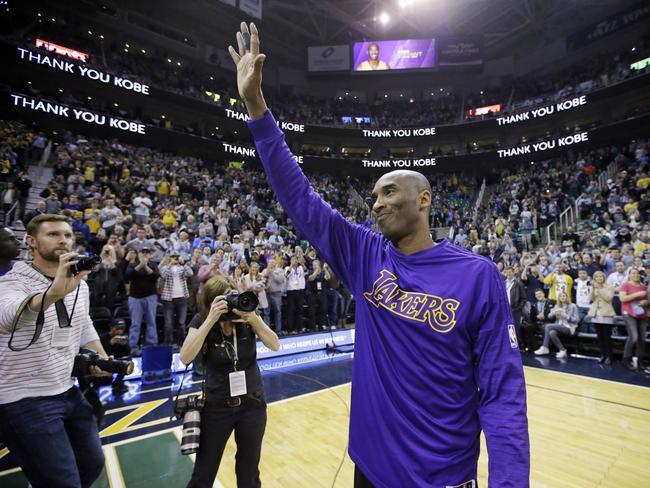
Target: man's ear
31,242
424,199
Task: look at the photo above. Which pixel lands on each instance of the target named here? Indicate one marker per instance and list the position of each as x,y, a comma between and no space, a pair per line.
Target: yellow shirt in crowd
169,217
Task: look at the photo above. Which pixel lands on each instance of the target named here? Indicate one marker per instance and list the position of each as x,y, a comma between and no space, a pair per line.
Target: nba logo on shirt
512,333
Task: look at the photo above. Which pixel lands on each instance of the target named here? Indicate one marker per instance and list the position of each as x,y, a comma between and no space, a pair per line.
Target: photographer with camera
45,421
224,333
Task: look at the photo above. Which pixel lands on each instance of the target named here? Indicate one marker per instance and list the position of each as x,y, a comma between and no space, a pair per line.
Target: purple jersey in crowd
436,355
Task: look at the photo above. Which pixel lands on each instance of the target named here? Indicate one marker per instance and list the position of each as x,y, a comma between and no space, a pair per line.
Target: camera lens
247,302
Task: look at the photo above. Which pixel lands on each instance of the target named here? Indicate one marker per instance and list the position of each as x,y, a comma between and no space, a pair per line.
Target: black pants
360,480
295,301
217,423
316,309
529,334
604,339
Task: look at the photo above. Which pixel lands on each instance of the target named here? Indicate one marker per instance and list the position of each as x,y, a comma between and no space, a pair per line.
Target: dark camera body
87,358
86,263
244,302
184,405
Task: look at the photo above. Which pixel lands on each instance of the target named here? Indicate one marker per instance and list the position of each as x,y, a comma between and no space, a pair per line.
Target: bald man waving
436,355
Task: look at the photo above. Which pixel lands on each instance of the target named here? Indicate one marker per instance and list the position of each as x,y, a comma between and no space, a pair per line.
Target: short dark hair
35,223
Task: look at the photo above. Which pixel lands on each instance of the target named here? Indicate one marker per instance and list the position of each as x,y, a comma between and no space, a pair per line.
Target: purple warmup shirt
436,357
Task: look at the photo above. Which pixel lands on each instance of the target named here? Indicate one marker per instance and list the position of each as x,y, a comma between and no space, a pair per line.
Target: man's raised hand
249,69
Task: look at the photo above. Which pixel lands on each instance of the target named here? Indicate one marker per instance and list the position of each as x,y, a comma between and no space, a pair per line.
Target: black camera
184,405
87,358
85,263
189,409
244,302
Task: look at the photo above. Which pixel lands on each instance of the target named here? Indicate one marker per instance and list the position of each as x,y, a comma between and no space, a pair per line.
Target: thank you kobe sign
53,62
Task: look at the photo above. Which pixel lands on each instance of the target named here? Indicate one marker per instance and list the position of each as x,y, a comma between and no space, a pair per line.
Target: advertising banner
459,52
328,58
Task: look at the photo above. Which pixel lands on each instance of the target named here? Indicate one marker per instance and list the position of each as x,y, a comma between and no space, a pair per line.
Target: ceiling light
384,18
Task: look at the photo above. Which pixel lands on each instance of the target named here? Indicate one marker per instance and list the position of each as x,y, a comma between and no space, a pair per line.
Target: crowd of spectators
597,270
163,224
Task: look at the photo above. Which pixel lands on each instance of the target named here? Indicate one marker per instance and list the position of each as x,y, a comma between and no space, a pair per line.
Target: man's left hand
96,371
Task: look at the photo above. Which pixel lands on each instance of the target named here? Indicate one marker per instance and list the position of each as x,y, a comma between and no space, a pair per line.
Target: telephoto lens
191,432
115,366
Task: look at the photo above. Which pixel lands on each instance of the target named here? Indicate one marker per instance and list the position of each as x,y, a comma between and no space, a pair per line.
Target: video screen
394,55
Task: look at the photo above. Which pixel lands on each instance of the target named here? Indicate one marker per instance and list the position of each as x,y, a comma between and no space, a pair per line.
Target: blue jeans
178,305
275,303
54,439
137,308
586,326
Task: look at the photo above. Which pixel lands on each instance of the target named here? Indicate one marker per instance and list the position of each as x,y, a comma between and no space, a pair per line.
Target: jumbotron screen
394,55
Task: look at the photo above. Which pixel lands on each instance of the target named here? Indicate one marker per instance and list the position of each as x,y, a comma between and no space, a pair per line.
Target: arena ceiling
290,25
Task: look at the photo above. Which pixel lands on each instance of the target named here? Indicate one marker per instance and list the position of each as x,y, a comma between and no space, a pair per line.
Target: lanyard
234,335
227,344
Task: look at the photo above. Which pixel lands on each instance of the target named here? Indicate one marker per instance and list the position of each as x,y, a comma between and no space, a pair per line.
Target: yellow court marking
139,411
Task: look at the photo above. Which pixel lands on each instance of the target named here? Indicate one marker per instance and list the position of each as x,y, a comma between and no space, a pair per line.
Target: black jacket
517,296
548,306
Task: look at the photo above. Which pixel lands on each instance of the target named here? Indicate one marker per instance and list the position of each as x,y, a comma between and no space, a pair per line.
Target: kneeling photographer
224,333
45,421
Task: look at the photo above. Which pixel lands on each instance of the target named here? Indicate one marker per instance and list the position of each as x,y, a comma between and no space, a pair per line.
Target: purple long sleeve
435,360
335,238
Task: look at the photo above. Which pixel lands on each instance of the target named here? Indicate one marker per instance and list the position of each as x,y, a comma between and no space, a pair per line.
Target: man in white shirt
583,293
142,206
616,279
45,421
237,246
295,295
109,215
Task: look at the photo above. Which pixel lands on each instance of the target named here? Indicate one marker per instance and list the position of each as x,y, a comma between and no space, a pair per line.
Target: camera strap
40,320
178,393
